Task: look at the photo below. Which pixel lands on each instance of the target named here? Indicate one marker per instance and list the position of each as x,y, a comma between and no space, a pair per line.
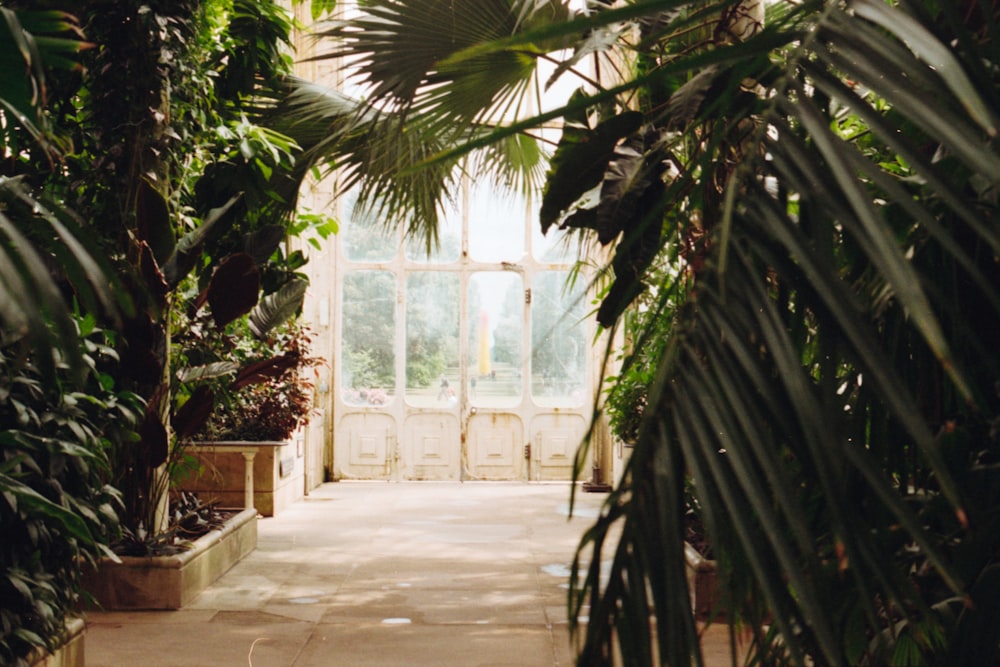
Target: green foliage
263,384
176,175
818,365
431,327
56,513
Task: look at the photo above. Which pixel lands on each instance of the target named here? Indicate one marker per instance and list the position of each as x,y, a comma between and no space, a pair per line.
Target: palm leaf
797,287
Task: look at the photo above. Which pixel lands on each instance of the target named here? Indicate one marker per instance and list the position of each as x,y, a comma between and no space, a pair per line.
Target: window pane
364,236
368,359
556,247
558,340
496,323
496,226
432,301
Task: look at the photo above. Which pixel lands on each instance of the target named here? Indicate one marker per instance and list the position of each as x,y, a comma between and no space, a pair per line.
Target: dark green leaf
275,309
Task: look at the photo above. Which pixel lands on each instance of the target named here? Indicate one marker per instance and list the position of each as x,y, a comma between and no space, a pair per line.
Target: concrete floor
373,574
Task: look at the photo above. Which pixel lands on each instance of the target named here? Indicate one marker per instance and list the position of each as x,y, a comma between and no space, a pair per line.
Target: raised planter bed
170,582
270,474
702,582
69,654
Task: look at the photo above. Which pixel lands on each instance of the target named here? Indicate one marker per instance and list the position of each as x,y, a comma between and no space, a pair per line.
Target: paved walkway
371,574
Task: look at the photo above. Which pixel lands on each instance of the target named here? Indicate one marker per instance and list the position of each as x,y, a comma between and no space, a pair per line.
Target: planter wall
278,476
70,654
702,582
170,582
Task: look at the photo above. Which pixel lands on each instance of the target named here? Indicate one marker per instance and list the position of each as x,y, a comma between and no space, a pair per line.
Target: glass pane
364,236
558,340
556,247
368,358
496,226
432,355
450,241
496,323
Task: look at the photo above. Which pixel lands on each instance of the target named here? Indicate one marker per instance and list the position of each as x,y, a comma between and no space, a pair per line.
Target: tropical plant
814,384
263,384
153,139
33,226
56,513
827,386
174,173
60,408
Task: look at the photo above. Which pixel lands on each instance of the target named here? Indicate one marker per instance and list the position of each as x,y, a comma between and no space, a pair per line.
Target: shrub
55,511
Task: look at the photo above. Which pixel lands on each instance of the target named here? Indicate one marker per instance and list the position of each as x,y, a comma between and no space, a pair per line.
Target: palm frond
830,353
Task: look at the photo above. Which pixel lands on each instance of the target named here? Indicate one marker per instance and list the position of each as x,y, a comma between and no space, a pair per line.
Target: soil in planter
190,518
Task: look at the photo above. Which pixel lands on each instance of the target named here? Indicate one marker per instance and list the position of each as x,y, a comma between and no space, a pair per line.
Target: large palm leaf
828,386
828,383
418,107
827,390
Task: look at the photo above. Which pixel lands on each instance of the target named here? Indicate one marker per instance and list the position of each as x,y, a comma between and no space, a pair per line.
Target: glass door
467,363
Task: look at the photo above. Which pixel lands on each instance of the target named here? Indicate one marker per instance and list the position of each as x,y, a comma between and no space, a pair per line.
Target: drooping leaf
192,416
262,243
186,253
234,288
264,370
153,224
275,309
153,279
686,102
580,161
153,439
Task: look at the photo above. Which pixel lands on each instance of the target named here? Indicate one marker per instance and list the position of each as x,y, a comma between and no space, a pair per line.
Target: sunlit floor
375,573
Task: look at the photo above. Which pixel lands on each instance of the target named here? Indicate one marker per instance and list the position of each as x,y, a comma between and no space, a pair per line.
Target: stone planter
702,582
170,582
271,472
69,654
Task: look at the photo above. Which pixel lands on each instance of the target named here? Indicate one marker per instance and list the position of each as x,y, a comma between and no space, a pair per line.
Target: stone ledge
170,582
702,583
69,654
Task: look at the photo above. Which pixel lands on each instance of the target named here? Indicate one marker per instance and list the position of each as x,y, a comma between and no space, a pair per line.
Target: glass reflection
558,340
449,245
496,225
496,323
368,358
432,356
365,237
556,247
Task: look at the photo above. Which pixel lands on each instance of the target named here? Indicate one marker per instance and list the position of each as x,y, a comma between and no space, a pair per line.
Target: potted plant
264,396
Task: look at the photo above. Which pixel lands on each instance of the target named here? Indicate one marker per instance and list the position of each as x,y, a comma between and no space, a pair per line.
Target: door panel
431,447
496,446
555,438
371,441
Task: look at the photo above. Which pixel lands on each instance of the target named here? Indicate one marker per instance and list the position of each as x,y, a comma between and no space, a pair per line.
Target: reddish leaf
154,437
152,217
191,417
234,288
263,370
